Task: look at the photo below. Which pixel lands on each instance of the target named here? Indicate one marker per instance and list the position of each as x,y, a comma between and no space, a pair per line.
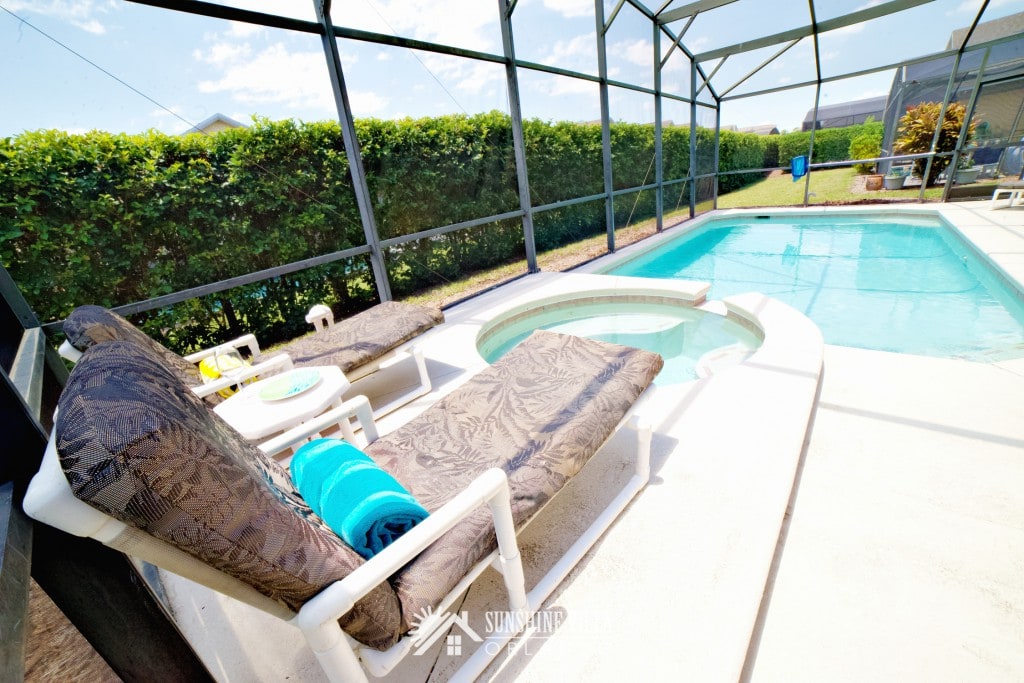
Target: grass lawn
830,185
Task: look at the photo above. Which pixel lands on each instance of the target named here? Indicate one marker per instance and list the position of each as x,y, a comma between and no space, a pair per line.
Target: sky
123,67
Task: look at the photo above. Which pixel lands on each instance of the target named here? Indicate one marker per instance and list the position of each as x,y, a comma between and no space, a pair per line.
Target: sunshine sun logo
429,625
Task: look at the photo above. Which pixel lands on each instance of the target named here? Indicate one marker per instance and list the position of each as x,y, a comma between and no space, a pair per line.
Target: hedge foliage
115,218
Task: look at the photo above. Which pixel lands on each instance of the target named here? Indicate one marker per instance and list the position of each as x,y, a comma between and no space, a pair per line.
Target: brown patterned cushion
539,413
365,336
91,325
137,445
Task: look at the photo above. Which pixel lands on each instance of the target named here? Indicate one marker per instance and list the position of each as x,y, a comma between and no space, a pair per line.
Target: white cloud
93,26
463,74
81,13
223,54
463,23
571,8
576,52
479,76
239,29
570,86
170,121
639,52
274,75
365,103
697,45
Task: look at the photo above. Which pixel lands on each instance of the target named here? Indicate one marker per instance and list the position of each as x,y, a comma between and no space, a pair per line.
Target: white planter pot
894,182
966,175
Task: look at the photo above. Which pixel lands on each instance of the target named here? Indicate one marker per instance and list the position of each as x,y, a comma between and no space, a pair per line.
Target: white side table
256,418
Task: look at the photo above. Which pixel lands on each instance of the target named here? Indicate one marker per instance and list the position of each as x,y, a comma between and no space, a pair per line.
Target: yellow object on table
209,371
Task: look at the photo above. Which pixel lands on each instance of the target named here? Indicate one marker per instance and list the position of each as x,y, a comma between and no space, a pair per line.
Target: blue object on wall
799,167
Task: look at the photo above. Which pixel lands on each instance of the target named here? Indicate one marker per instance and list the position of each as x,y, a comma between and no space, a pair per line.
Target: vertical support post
817,100
810,145
518,141
355,160
606,131
693,138
968,113
938,131
718,138
659,171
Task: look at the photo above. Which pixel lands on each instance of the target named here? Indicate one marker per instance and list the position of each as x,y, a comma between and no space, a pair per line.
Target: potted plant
966,171
894,179
867,146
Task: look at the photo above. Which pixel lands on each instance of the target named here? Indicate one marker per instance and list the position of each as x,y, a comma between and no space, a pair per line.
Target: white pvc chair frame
50,500
321,318
273,366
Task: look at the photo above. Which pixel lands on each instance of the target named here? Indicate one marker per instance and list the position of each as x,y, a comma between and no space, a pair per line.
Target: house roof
989,30
870,105
204,125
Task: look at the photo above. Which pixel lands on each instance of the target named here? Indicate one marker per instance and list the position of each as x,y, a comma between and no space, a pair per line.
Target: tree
917,128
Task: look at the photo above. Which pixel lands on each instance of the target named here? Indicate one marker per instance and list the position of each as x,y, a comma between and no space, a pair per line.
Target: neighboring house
763,129
215,124
845,113
999,105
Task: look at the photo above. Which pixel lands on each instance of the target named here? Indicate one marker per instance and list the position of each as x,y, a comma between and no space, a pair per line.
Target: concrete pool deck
900,559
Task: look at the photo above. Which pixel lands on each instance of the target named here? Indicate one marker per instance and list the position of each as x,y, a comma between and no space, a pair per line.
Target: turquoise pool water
908,287
692,342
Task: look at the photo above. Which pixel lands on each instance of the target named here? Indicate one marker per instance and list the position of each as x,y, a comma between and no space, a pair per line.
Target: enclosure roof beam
211,9
675,42
687,10
758,67
872,70
707,79
828,25
611,19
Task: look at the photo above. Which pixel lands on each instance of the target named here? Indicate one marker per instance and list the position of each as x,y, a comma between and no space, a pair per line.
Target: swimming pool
868,281
693,343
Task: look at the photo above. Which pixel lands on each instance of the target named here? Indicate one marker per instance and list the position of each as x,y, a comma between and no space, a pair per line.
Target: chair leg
422,388
334,654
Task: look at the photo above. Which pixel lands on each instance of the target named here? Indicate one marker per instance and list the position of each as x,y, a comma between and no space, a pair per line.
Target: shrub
865,146
917,129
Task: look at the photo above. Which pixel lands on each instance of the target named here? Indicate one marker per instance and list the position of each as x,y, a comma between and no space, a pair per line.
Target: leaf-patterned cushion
91,325
365,336
137,445
539,413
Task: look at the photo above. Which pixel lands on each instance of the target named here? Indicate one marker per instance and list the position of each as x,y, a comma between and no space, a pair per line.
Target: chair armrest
277,364
320,614
320,317
357,407
246,340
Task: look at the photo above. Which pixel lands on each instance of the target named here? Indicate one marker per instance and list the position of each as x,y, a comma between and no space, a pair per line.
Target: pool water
692,342
908,287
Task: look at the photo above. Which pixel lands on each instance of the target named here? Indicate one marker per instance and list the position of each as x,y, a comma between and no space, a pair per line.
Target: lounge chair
1012,188
361,344
137,462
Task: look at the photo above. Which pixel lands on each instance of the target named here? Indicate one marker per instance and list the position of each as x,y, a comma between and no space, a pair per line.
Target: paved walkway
905,550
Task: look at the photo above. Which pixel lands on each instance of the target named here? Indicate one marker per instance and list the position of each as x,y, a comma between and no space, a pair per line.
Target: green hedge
114,218
830,144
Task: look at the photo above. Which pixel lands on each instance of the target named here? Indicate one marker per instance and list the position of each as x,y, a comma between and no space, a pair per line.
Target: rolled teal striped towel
361,502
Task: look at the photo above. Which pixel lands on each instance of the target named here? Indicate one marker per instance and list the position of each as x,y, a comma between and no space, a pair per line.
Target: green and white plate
291,384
